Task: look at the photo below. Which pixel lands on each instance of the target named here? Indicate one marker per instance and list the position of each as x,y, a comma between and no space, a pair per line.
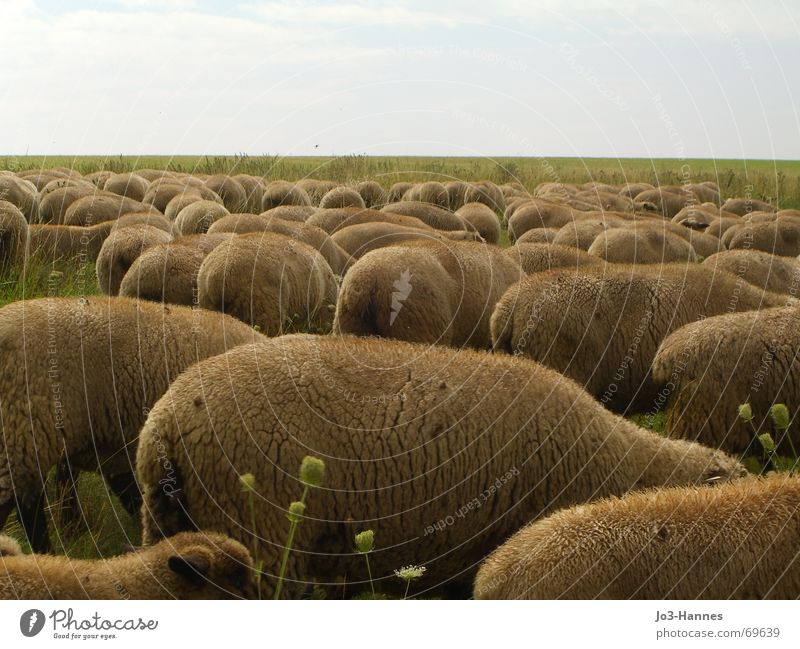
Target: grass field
760,179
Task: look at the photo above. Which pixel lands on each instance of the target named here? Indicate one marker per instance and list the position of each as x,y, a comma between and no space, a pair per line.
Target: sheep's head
209,566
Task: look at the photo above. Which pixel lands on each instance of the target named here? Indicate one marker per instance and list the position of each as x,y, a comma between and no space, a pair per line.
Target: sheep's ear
192,566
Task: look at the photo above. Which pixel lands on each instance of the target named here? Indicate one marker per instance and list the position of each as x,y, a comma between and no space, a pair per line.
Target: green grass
758,178
43,278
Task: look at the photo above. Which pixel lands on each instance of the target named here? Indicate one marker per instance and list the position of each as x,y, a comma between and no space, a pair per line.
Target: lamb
707,369
120,250
761,269
197,217
411,435
602,327
426,291
164,273
281,192
373,194
269,280
229,190
90,210
342,197
434,216
483,219
738,541
335,219
429,192
538,257
79,376
743,206
191,565
13,234
130,185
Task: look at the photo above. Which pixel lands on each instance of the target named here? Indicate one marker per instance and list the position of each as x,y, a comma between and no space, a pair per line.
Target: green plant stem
369,572
258,566
287,549
408,585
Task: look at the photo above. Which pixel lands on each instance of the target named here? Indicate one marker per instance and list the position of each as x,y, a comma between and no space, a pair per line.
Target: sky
588,78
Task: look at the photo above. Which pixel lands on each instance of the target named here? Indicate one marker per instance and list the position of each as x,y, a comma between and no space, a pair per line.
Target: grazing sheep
79,376
738,540
155,175
53,242
669,203
337,258
229,190
90,210
297,213
129,184
358,240
198,217
581,233
120,250
602,327
191,565
607,201
160,194
426,291
434,216
761,269
411,435
781,237
456,191
269,280
13,234
180,201
488,193
63,183
743,206
718,227
253,189
20,193
315,189
631,190
53,206
483,219
641,246
342,197
373,194
539,213
38,178
397,191
335,219
711,367
430,192
280,192
164,273
538,235
538,257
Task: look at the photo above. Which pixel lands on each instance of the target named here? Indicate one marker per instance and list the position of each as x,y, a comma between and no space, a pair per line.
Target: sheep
53,206
120,250
738,540
342,197
608,201
253,189
434,216
63,183
485,192
430,192
198,217
190,565
781,237
719,226
641,246
411,435
337,258
708,368
53,242
280,192
743,206
538,257
761,269
161,193
631,190
97,208
539,213
177,203
358,240
602,326
13,234
335,219
9,547
130,185
38,178
79,376
373,194
229,190
21,194
315,189
538,235
582,232
668,202
164,273
483,219
155,175
426,291
269,280
456,191
397,191
297,213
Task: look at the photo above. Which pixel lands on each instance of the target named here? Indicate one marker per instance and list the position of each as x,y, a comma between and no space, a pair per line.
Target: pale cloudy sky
671,78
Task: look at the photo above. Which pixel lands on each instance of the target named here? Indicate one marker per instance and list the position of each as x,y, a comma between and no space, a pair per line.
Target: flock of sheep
467,398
